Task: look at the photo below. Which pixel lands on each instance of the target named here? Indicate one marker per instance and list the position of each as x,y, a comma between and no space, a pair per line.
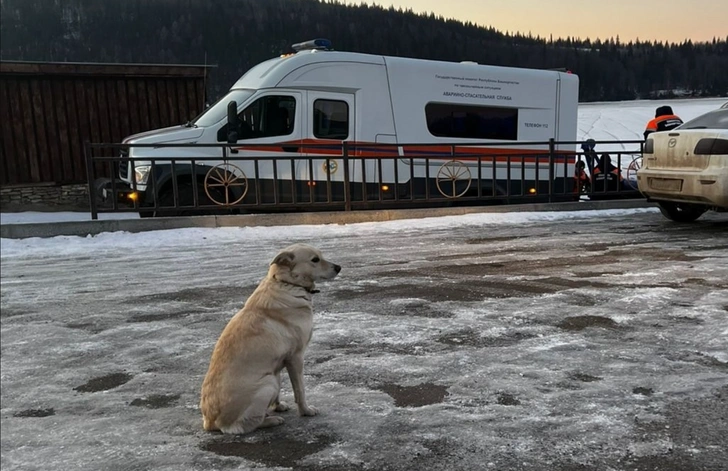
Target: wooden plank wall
49,110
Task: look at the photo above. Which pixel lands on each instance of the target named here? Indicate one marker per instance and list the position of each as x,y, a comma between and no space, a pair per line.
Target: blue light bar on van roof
321,43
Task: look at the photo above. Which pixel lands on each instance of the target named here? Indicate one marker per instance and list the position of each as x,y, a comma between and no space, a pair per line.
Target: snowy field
609,121
626,120
556,341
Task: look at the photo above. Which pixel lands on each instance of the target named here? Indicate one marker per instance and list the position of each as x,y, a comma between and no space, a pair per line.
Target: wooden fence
49,110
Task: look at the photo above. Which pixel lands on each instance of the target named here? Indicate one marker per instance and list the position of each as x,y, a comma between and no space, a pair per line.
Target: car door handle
290,148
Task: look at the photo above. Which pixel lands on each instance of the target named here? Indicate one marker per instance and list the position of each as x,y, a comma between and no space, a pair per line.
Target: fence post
88,154
552,149
347,185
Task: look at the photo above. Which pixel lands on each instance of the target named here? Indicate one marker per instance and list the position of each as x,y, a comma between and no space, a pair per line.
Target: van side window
330,119
471,121
268,116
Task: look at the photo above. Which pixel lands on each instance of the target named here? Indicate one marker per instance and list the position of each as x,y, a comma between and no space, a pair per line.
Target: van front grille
123,164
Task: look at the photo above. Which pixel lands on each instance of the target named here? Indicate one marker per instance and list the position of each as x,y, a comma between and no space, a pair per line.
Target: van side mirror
233,123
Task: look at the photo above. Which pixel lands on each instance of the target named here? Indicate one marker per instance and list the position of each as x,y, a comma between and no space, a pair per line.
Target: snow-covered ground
564,341
608,121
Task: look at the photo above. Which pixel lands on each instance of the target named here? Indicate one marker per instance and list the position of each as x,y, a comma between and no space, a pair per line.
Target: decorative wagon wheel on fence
220,183
635,165
453,179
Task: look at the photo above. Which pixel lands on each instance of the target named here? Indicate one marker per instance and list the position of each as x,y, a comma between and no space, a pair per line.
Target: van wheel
184,191
634,166
681,212
453,179
221,183
166,198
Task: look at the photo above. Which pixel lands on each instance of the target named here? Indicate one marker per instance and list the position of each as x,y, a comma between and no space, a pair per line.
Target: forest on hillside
237,34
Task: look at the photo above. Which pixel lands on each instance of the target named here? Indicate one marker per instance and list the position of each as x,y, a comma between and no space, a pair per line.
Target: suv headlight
141,173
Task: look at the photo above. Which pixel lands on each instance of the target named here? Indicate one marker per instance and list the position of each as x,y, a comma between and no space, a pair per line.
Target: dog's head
302,265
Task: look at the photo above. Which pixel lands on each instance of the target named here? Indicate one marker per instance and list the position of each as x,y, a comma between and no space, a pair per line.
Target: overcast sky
661,20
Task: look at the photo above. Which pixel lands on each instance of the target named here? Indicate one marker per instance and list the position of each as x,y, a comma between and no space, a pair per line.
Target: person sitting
606,176
606,165
582,182
664,120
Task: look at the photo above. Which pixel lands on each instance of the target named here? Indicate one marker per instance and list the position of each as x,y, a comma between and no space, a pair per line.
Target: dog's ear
284,259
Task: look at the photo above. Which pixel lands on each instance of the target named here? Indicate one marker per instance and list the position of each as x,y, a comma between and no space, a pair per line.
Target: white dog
269,333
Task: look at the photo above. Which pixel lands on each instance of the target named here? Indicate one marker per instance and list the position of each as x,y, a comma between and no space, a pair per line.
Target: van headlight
141,173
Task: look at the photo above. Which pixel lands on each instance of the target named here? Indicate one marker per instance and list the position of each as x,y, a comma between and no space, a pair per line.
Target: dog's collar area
308,290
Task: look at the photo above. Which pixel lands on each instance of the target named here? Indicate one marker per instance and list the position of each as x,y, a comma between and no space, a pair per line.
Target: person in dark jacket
606,175
590,154
664,120
606,165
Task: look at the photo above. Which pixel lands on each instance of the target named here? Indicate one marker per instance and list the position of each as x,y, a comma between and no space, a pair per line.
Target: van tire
184,191
681,212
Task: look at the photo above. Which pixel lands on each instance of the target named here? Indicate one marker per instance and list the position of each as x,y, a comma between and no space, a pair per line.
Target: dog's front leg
278,405
295,373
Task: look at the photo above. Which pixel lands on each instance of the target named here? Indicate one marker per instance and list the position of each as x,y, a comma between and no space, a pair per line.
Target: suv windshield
218,111
717,119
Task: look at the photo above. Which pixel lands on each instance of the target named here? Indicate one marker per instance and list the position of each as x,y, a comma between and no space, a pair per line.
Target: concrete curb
85,228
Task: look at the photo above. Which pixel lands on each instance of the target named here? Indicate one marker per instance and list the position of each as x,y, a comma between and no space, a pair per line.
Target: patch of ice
409,302
656,447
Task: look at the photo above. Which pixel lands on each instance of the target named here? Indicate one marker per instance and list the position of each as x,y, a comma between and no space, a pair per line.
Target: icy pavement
35,217
584,341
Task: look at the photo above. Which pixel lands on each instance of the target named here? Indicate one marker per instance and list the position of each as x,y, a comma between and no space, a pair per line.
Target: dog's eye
315,260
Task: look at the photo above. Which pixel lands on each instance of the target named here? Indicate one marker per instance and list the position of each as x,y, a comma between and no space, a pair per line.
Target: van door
271,126
330,122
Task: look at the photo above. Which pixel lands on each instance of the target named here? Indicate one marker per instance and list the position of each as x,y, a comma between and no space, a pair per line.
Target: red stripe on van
323,147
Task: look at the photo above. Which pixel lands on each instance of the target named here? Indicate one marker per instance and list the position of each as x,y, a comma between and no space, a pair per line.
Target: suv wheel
681,212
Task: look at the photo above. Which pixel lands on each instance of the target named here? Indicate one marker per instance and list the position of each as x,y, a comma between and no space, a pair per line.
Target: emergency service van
306,104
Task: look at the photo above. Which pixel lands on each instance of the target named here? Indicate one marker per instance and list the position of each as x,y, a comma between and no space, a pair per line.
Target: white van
387,109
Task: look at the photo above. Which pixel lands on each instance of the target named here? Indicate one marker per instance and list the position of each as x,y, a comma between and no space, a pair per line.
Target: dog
269,333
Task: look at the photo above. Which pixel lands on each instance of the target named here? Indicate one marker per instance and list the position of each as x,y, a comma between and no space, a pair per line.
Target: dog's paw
307,411
282,407
272,421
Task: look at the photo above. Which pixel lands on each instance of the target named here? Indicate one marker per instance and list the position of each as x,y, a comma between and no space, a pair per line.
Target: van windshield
218,111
